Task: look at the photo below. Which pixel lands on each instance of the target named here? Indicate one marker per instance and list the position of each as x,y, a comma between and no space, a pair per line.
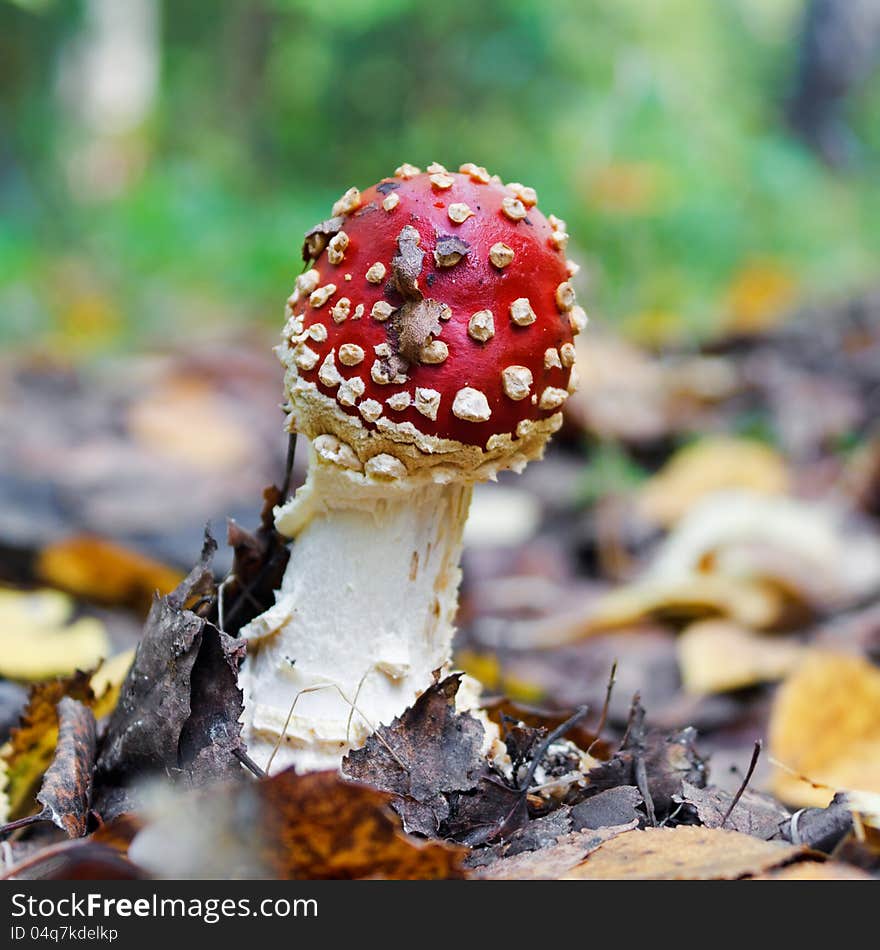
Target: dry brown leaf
825,726
104,572
321,826
32,743
708,466
716,656
66,792
553,862
683,853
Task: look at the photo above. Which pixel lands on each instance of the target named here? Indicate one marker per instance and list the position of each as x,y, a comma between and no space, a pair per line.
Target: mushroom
416,365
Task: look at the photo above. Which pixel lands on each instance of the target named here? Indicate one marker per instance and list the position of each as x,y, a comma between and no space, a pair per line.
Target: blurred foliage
653,126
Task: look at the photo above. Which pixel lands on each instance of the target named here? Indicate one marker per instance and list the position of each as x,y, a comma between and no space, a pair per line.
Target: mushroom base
363,618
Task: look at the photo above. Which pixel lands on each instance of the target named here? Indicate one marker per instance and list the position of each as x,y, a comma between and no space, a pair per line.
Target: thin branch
248,763
556,734
11,826
604,717
750,771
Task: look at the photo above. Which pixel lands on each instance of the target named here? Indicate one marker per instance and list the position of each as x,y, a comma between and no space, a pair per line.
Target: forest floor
675,615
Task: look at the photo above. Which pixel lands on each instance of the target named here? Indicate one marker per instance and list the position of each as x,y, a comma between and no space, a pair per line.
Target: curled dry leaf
32,743
717,656
26,756
144,731
825,728
683,853
66,792
179,708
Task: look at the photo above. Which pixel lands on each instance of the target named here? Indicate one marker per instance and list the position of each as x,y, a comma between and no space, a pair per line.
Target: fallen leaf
39,637
536,835
822,829
316,238
32,743
258,564
717,656
708,466
657,763
807,550
683,853
105,572
825,726
144,730
66,792
680,599
754,814
553,862
428,752
211,736
614,806
295,827
80,860
321,826
487,668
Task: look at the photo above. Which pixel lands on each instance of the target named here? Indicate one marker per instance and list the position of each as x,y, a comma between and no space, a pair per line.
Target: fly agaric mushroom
428,346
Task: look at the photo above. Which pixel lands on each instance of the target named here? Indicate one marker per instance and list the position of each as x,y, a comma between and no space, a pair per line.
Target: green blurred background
159,161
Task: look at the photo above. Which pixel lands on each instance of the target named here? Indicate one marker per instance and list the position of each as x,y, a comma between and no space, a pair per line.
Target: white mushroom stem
364,615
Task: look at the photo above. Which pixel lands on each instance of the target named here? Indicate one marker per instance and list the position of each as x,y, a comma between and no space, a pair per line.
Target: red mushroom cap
437,310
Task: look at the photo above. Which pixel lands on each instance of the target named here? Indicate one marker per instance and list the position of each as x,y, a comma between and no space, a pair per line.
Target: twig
636,701
11,826
750,771
641,774
557,733
248,763
635,727
604,717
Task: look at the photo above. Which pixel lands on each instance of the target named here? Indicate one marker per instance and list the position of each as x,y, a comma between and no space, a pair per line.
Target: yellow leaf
37,640
102,571
486,668
688,598
825,727
716,656
709,466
